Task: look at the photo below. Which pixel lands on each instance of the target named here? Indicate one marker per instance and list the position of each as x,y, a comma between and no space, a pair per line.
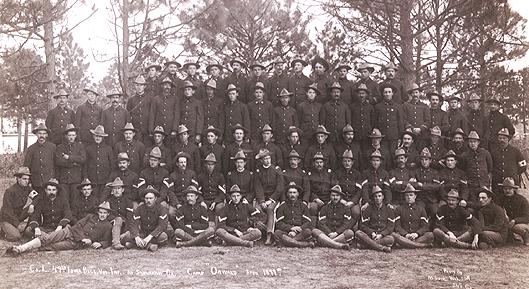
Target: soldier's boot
291,242
200,239
116,234
367,241
457,243
346,237
268,238
328,242
407,243
233,240
33,244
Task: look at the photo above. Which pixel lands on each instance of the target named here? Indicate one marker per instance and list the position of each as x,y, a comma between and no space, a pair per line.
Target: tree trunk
126,41
406,43
50,60
19,139
26,133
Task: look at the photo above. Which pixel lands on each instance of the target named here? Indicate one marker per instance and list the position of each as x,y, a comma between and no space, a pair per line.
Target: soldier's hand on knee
296,229
86,242
333,235
378,237
58,228
414,236
96,245
147,239
475,242
203,204
512,223
139,242
31,209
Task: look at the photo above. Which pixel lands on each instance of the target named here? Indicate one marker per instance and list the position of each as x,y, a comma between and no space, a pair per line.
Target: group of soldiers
293,160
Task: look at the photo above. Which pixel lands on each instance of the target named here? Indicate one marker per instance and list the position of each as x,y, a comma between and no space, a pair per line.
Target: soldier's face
238,134
335,93
503,140
347,163
62,100
311,94
182,163
166,88
342,72
188,92
425,162
484,199
23,180
115,100
376,141
123,165
509,191
214,71
298,67
390,73
451,162
91,96
363,95
158,138
407,140
210,91
375,163
98,139
117,191
236,197
257,71
86,190
292,194
154,162
232,95
452,202
409,197
152,72
183,136
318,164
401,160
474,104
102,214
364,73
128,135
434,101
210,167
458,138
266,161
211,137
319,69
172,68
349,136
42,135
321,138
378,198
191,70
335,197
285,100
294,162
191,198
454,103
388,94
236,66
415,94
51,191
494,106
473,144
267,136
140,88
259,94
294,137
70,136
278,67
434,139
239,164
149,199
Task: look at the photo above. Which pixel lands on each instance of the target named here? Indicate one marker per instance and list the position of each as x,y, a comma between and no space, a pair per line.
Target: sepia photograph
264,144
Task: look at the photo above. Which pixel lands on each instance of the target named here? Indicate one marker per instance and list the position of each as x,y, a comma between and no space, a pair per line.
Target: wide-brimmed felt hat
190,63
335,85
70,127
400,152
235,189
218,65
347,154
181,129
425,153
238,60
123,157
212,129
473,135
314,86
429,94
295,186
474,96
193,190
85,182
159,129
169,62
362,87
60,93
450,153
318,156
376,154
363,66
292,129
183,154
321,61
129,126
505,132
458,131
375,133
140,80
410,189
338,189
508,182
231,87
156,66
155,153
99,131
294,154
390,65
91,89
40,126
298,59
211,84
259,85
239,155
453,193
105,206
167,80
238,126
321,130
413,87
190,84
22,171
384,85
114,93
375,189
285,92
494,98
149,189
263,153
210,158
52,182
266,127
342,65
253,65
436,131
117,182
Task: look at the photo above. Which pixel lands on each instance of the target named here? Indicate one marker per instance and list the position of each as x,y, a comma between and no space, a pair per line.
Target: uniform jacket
87,117
56,122
40,159
70,171
149,220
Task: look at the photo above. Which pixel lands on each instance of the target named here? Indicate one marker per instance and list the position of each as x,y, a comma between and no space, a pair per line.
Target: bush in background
9,164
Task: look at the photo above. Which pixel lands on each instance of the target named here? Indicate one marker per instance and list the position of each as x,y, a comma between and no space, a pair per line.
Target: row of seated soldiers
380,226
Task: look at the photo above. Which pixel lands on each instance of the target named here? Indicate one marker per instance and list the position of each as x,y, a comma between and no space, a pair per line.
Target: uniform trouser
159,240
522,230
213,213
58,240
421,242
117,226
463,238
171,211
70,191
299,240
245,240
337,242
270,217
13,233
355,213
379,245
196,239
491,238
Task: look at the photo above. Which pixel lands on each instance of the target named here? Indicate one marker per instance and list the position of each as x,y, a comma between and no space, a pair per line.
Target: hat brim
239,127
170,82
297,187
256,65
324,63
122,159
187,191
159,132
402,134
90,90
18,175
39,129
232,89
186,65
369,68
59,95
173,62
113,94
493,100
430,94
132,129
214,65
146,191
79,186
303,62
387,85
52,184
213,130
376,136
158,67
70,129
192,86
335,87
237,61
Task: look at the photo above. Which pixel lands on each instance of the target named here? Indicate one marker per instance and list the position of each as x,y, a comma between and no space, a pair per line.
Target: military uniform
14,211
439,117
373,88
241,217
40,159
216,149
438,152
268,184
334,217
456,119
284,118
49,214
213,188
335,115
241,81
496,121
347,93
398,179
149,221
412,218
139,107
362,120
374,177
135,150
453,179
389,120
244,180
192,115
192,225
232,114
417,115
212,108
130,181
323,82
376,220
309,117
429,196
82,206
297,84
299,147
155,177
180,180
478,167
114,120
165,112
349,181
275,152
99,162
167,159
517,210
69,171
293,214
458,221
327,150
399,96
494,225
477,121
251,88
276,83
387,164
508,162
341,146
87,117
261,112
56,121
298,176
192,150
231,150
321,183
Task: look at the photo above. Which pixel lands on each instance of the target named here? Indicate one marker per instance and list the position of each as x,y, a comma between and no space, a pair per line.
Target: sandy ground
265,267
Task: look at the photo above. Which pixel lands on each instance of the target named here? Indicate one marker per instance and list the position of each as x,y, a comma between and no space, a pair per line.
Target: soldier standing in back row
365,71
100,160
40,158
191,113
88,116
335,114
238,79
319,76
298,82
309,113
399,95
139,107
341,71
164,109
496,120
388,117
477,120
70,157
114,119
59,117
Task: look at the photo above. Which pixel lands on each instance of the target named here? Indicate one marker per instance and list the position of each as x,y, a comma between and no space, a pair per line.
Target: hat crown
140,80
459,131
235,188
504,131
167,80
181,129
293,154
425,153
123,155
314,86
41,126
414,86
453,193
192,189
99,130
61,92
450,153
436,131
85,182
266,127
259,85
348,154
509,182
240,155
262,153
376,154
473,135
362,86
69,127
318,155
129,126
104,205
117,182
347,128
156,152
211,158
321,129
400,152
23,171
337,188
336,84
188,83
409,188
53,181
474,96
159,129
231,87
284,92
376,189
390,65
376,133
211,83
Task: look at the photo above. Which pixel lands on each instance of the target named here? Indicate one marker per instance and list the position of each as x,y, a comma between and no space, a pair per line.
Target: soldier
390,71
171,72
130,145
241,177
92,231
496,121
417,115
389,117
454,226
373,176
335,223
166,161
494,227
212,146
70,157
453,178
285,116
428,183
309,112
236,221
238,132
214,71
341,71
477,163
376,145
40,158
261,111
258,76
321,146
165,111
149,223
192,222
17,206
114,119
437,148
297,82
294,143
294,173
408,145
321,181
129,178
348,143
458,144
191,68
349,180
59,117
212,104
456,117
279,80
152,89
181,178
268,187
377,224
319,75
85,202
191,113
438,117
516,208
234,112
411,223
507,161
365,71
154,175
335,114
238,80
400,176
139,107
184,145
100,160
121,215
52,211
213,186
266,143
362,118
477,120
293,224
88,115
